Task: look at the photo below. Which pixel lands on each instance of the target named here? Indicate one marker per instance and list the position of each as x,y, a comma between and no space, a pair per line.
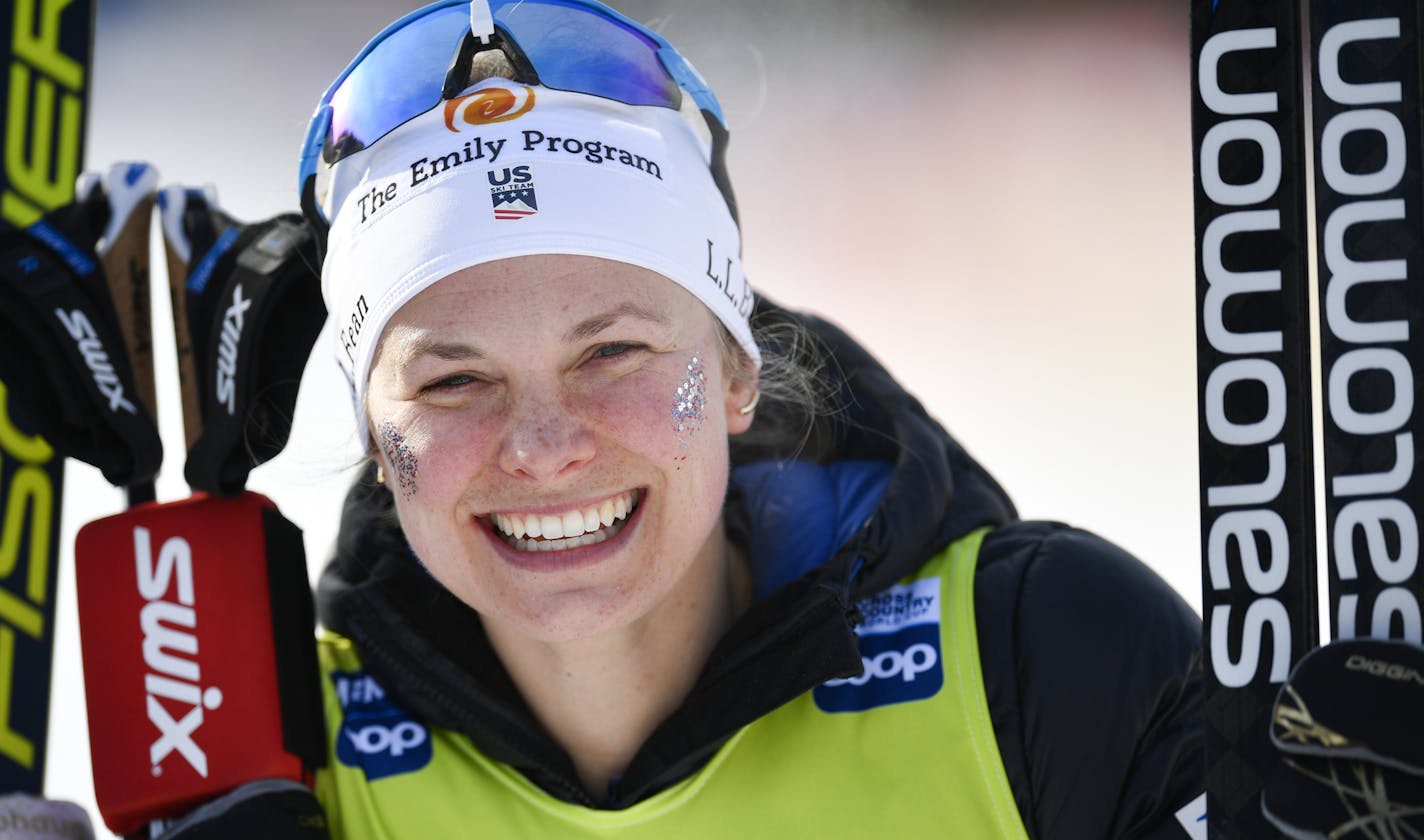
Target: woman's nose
543,439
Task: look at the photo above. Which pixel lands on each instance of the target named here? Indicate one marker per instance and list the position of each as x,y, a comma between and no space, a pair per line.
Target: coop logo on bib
376,735
899,651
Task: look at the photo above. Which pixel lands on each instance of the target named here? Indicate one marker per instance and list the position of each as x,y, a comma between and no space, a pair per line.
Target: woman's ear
742,396
373,451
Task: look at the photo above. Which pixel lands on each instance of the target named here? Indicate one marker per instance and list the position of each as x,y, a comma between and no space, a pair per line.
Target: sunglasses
422,59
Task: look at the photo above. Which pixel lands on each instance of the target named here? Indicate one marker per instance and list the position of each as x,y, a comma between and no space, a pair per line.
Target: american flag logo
513,203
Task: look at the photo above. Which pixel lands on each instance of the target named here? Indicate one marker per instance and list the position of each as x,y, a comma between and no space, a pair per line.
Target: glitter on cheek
689,404
402,460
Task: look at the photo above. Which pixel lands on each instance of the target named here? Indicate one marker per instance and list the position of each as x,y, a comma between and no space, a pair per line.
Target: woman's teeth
556,532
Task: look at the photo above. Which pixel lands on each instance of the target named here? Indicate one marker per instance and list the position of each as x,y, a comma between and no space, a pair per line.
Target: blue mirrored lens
399,78
575,48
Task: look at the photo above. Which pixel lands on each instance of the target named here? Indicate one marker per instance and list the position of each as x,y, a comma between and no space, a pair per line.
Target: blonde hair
796,391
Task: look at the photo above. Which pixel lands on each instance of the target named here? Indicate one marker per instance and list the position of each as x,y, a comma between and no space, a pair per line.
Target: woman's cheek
423,453
661,412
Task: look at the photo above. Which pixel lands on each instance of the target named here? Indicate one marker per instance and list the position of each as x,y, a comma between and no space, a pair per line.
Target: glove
26,817
273,809
75,344
246,309
1347,723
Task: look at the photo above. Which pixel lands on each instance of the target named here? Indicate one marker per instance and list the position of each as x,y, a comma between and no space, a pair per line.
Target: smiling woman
544,422
643,554
567,494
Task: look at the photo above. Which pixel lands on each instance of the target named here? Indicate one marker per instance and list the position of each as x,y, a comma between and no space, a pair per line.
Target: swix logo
227,349
491,105
377,735
77,324
168,631
899,652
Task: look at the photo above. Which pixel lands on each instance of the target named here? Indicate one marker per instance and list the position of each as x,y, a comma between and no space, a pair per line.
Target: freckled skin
539,421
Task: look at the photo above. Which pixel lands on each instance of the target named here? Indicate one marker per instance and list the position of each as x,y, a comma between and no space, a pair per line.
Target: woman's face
580,399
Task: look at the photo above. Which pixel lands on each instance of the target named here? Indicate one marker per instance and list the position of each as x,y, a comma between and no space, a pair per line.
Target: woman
651,569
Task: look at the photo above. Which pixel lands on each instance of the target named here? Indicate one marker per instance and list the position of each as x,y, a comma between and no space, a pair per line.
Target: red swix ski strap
199,658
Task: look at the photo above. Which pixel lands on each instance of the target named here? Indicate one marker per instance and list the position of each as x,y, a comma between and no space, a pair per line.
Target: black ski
1254,395
44,99
1368,218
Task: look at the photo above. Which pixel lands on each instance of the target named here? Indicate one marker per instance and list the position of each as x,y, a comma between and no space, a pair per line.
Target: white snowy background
996,199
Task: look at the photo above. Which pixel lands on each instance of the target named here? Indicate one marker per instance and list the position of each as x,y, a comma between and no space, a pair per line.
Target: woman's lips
583,525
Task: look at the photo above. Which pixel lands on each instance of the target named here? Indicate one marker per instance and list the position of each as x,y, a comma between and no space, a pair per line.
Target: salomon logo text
1368,221
1254,522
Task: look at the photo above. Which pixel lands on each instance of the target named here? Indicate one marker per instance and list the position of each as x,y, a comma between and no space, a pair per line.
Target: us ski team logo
376,735
512,193
899,649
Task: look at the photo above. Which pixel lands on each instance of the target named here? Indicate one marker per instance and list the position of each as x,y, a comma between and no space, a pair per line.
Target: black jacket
1090,661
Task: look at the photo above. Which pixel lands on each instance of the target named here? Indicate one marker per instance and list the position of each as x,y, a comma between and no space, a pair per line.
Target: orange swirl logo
490,105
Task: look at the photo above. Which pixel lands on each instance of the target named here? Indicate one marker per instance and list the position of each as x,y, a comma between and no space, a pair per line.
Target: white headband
509,170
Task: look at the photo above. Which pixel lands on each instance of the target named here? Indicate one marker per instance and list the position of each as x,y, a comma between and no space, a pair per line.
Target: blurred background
994,197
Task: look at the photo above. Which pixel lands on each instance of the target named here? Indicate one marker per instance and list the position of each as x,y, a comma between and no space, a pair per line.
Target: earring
751,406
380,474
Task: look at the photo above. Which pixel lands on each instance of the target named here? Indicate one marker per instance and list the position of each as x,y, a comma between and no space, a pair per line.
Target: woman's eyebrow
454,351
592,326
445,351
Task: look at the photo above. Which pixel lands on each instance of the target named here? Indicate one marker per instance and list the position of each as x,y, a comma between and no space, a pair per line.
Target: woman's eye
449,383
617,348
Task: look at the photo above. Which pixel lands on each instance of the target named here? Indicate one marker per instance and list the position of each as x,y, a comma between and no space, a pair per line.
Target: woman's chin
566,594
